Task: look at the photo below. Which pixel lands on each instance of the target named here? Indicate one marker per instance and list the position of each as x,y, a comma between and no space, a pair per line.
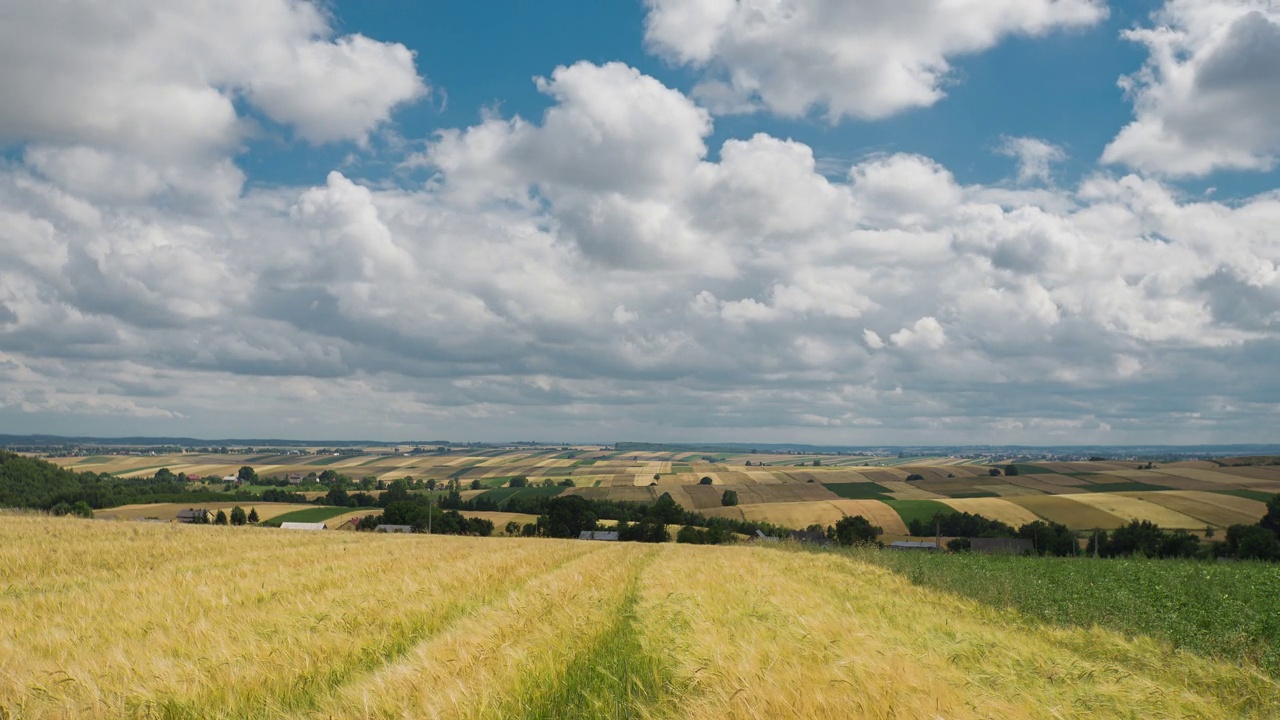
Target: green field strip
1032,469
919,510
859,490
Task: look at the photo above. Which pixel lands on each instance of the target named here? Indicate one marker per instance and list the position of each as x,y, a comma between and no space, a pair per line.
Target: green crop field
921,510
859,490
1224,610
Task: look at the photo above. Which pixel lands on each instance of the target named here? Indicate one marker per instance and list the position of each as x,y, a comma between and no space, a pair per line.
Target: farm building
927,545
1001,546
611,535
295,478
394,529
303,526
351,524
812,538
195,516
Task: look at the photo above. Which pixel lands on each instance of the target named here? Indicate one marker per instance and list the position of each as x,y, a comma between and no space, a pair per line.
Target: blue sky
1019,221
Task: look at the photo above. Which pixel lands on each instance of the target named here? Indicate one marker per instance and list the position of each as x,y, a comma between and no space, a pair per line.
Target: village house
195,516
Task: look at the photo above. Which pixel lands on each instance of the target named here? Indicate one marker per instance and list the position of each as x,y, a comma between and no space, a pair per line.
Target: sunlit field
114,619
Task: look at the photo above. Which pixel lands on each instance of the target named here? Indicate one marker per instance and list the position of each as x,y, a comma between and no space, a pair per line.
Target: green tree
518,482
476,484
729,498
1271,521
567,482
253,515
856,530
513,527
1251,542
337,497
705,481
1049,538
221,519
237,515
994,472
247,475
959,545
1011,470
567,516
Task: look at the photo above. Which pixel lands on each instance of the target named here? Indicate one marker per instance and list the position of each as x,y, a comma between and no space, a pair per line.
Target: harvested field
1130,508
994,509
1006,490
169,511
1065,510
1044,487
877,512
1216,476
1060,480
1256,473
1210,508
909,491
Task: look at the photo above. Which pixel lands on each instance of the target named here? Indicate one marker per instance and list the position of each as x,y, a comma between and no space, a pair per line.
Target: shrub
729,498
705,481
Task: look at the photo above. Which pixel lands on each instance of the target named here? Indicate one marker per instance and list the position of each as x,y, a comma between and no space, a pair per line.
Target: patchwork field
789,490
113,620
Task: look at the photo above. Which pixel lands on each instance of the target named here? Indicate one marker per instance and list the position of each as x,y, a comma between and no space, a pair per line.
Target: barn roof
914,545
302,526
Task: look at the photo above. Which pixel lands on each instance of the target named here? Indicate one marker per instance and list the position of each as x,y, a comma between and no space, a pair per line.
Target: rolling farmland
106,620
787,490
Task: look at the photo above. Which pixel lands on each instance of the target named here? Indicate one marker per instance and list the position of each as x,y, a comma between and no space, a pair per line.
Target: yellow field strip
1134,509
994,509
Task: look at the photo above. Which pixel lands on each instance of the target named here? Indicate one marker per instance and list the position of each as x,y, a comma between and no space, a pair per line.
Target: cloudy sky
827,221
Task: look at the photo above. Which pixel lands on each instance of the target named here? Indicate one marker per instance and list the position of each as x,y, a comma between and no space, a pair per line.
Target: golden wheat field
113,619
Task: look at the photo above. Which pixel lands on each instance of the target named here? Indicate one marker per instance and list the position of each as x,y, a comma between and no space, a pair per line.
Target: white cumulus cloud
852,59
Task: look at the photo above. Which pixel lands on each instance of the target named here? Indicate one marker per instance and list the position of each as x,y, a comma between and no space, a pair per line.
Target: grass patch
1229,611
1251,494
1122,487
315,514
921,510
974,494
859,490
